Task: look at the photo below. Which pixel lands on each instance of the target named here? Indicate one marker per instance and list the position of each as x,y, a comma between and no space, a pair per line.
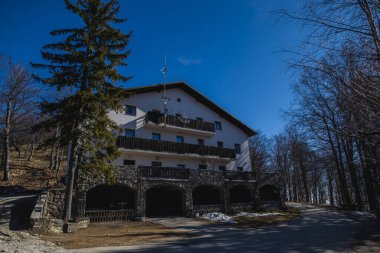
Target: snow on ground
223,218
218,217
363,214
245,214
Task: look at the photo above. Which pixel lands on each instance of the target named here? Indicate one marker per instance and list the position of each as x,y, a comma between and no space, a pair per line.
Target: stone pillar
188,201
256,197
141,203
226,199
80,201
81,206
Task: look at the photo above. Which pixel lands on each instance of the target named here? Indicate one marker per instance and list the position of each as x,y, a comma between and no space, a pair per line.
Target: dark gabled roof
198,96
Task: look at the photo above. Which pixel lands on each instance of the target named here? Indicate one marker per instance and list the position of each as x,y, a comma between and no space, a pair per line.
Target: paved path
16,217
318,230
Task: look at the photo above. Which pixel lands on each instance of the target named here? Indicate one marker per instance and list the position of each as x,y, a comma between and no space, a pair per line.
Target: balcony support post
225,199
188,201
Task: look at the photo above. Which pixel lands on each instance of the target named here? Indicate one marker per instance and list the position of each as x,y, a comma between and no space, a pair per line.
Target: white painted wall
229,135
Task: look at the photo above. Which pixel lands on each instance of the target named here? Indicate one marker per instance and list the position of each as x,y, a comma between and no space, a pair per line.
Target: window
223,168
218,125
240,168
202,166
178,99
181,166
129,133
179,139
156,164
129,162
199,119
201,142
130,110
237,149
156,136
220,144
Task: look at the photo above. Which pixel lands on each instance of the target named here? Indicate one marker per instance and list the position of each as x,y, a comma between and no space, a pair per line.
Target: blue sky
227,50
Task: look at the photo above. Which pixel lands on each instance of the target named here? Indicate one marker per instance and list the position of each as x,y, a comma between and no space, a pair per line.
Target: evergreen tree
85,64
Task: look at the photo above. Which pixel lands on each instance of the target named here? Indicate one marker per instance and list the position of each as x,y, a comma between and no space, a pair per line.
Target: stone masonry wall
132,177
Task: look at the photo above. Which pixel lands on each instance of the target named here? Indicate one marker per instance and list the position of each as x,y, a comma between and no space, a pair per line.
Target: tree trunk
72,164
32,147
6,142
330,188
349,153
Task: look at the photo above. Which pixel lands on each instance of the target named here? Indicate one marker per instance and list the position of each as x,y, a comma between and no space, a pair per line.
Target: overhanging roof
198,96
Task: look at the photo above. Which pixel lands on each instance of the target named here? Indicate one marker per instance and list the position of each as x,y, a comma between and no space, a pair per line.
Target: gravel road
317,230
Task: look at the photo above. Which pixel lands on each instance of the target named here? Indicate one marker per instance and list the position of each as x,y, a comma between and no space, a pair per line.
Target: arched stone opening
111,197
206,195
269,193
165,200
240,194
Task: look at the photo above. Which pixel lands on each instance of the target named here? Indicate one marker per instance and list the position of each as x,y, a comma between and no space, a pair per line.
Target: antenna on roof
165,99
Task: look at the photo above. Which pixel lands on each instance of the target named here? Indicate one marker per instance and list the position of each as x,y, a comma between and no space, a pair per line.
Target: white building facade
195,133
187,158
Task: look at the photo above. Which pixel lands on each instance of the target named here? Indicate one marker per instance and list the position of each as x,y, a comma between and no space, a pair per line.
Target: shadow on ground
318,230
16,211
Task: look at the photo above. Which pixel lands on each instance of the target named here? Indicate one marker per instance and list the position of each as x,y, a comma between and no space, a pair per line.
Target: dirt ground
251,222
31,175
116,234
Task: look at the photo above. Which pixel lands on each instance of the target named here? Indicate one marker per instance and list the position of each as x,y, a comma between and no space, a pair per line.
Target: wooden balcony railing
159,118
164,172
179,173
173,147
238,175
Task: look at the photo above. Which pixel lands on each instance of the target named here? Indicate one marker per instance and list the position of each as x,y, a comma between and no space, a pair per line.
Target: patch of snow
364,214
218,217
246,214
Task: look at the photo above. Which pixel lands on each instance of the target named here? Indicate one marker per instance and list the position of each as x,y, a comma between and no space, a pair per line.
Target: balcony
164,172
157,120
174,173
238,175
173,147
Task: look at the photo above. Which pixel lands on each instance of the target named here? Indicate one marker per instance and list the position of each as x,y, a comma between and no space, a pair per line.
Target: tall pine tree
85,65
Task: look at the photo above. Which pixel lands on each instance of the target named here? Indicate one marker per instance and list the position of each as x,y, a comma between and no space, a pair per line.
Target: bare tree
17,101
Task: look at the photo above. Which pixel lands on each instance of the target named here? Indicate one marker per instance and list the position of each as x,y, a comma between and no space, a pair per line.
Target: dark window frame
128,162
130,110
156,134
131,130
218,125
158,164
220,144
222,168
202,167
177,137
237,149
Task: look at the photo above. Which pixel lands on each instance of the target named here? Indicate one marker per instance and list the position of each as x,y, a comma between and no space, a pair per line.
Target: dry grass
116,234
251,222
34,174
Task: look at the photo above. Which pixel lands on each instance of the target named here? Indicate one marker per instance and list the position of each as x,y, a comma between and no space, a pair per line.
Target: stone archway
111,197
165,200
206,195
207,198
240,194
269,193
